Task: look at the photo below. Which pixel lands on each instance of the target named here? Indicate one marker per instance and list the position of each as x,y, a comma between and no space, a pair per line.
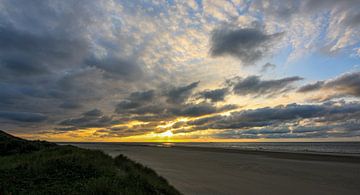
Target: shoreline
295,155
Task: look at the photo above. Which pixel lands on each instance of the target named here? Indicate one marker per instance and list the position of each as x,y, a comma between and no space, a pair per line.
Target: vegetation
34,167
14,145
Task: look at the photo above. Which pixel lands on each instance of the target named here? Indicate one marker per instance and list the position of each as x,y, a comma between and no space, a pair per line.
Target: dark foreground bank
37,167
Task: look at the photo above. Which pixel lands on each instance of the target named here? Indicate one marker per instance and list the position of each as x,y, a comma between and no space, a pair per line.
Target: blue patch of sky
319,66
244,8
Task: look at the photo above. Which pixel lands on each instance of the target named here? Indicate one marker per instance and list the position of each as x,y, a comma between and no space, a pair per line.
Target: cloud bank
203,69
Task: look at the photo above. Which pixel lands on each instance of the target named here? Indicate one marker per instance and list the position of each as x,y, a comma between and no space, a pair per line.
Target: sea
348,148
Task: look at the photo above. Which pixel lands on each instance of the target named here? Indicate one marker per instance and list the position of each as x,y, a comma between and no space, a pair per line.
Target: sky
176,70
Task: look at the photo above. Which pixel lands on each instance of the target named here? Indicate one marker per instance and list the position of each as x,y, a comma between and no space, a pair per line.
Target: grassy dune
33,167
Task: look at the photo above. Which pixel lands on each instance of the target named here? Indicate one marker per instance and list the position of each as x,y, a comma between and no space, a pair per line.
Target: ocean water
349,148
305,147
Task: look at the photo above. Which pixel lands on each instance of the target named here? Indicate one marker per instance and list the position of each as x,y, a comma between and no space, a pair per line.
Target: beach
194,170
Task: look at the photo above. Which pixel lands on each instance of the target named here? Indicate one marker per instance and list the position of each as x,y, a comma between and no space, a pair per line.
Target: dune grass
53,169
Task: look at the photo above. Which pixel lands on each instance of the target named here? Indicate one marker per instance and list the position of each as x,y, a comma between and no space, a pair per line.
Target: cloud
253,85
61,57
180,94
294,131
136,100
347,84
138,63
311,87
23,116
9,94
115,67
268,66
143,95
264,116
169,103
130,130
247,44
267,116
70,105
93,112
126,105
330,119
37,48
91,118
340,18
201,109
266,131
215,95
195,110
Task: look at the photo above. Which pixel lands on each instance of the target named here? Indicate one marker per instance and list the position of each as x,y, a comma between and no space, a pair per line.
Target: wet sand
225,171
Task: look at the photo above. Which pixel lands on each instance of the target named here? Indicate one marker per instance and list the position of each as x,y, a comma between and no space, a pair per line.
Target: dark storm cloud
47,45
345,85
214,95
142,96
91,118
169,103
9,94
87,122
20,67
310,129
70,105
23,116
279,113
204,120
253,85
141,103
94,112
116,67
150,108
247,44
139,99
298,131
201,109
269,118
126,105
25,53
178,95
63,57
126,131
265,131
47,62
37,44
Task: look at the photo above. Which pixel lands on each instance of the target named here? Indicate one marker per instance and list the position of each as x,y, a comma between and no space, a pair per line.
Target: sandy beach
220,171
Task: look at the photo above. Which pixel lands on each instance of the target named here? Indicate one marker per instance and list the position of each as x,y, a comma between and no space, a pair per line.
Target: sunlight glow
166,134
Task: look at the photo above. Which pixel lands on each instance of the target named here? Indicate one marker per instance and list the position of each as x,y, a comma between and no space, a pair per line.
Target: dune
39,167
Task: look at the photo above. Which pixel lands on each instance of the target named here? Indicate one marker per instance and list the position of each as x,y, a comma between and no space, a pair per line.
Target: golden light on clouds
167,133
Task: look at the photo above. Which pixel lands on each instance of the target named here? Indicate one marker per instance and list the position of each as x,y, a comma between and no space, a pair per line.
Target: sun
167,134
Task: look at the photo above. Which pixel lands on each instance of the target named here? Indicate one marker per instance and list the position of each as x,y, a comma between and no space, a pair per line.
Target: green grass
53,169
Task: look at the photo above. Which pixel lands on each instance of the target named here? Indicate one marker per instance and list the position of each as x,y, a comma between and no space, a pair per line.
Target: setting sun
166,134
